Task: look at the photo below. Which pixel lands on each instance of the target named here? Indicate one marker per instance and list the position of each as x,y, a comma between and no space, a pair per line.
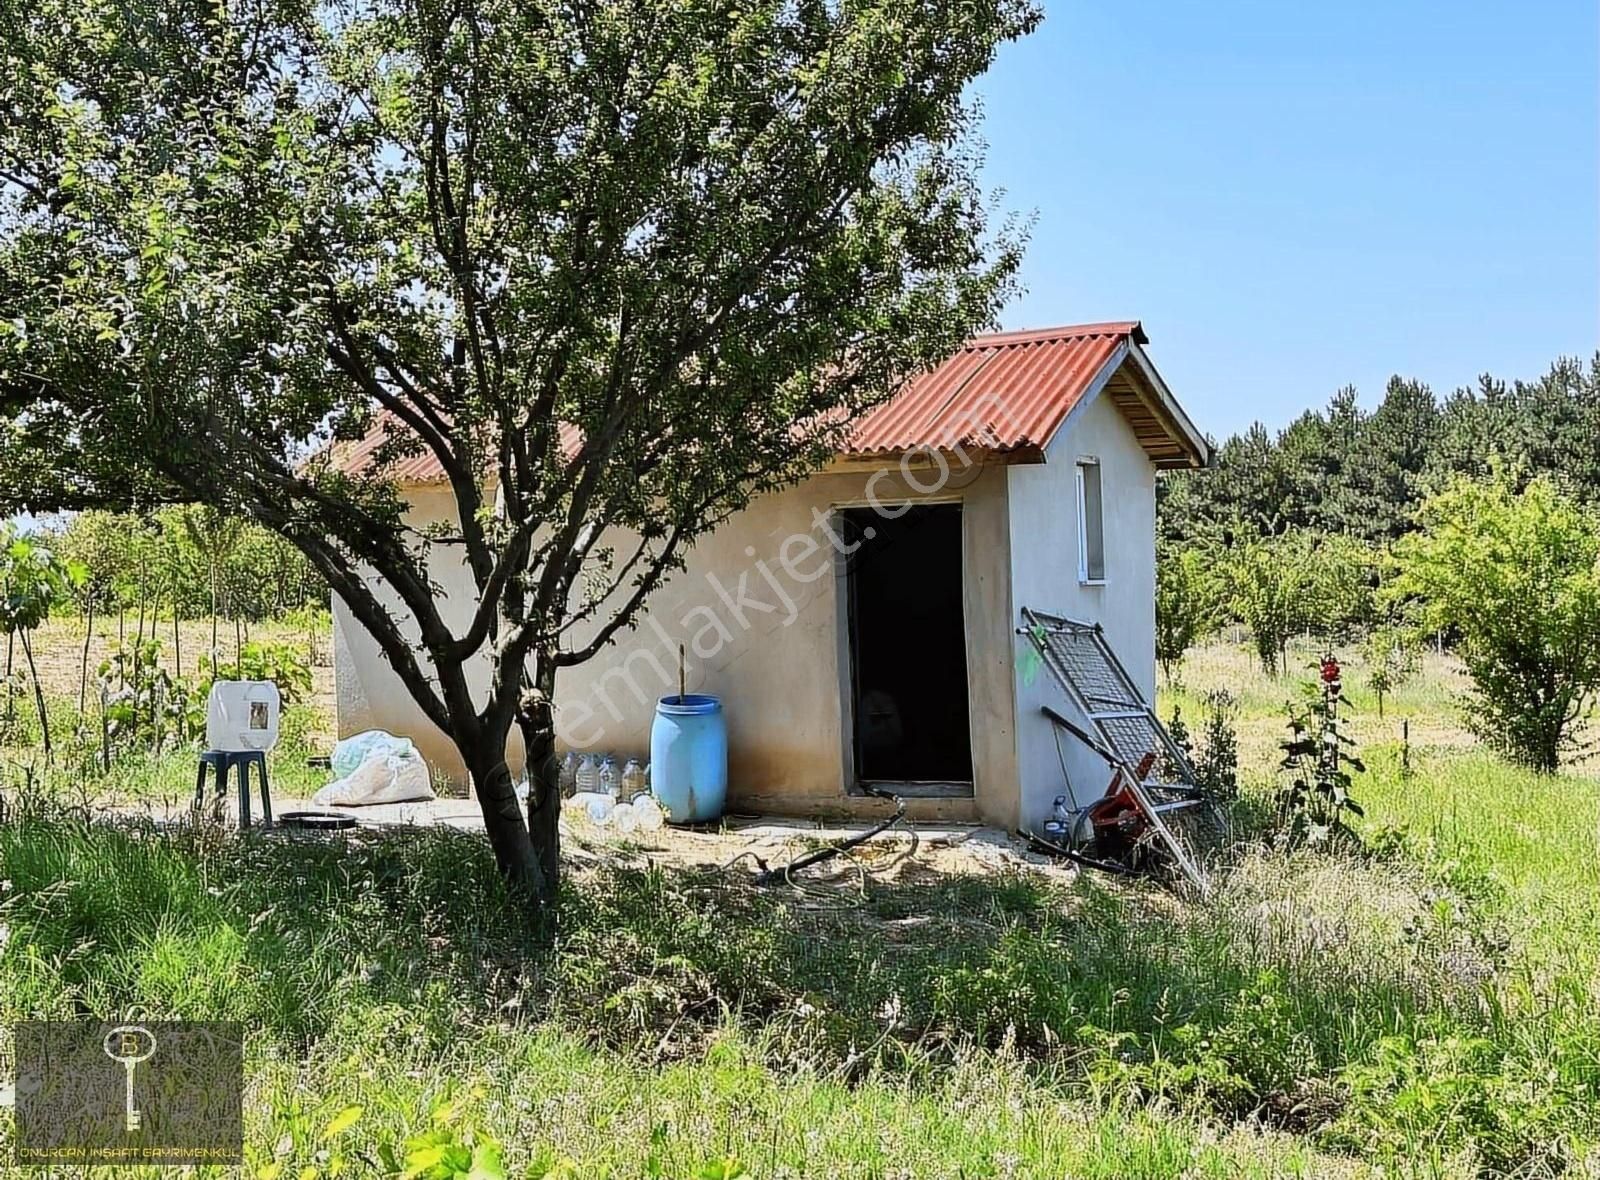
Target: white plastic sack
358,747
377,767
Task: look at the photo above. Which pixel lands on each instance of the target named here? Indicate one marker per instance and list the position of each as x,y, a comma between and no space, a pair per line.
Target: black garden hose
784,872
1114,867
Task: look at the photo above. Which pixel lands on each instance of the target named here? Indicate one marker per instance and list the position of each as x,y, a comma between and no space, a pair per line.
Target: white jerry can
242,715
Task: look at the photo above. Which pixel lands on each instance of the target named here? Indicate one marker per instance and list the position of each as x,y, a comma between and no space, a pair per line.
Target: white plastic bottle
587,776
610,777
648,813
633,783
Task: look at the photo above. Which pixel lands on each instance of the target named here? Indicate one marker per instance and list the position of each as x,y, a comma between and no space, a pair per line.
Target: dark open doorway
908,652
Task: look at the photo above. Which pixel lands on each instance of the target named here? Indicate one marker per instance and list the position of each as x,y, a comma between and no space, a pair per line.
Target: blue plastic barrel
689,758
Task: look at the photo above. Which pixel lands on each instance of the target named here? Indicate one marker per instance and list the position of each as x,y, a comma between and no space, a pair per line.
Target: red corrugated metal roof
1005,392
356,458
424,466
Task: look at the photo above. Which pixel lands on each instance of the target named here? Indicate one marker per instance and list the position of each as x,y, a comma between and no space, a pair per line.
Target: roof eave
1196,447
921,457
1185,437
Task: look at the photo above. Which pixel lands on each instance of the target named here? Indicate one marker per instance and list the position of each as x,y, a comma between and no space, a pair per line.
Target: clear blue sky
1294,197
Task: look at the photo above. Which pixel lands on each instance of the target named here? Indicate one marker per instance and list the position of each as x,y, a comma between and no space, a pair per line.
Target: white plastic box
242,715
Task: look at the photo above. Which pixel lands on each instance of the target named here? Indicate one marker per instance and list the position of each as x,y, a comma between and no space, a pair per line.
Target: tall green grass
1427,1004
1324,995
668,1017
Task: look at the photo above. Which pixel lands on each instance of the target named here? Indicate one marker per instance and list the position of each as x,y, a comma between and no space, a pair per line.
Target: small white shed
860,627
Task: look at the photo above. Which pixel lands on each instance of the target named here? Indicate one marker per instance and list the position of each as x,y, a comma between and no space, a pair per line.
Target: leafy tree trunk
83,665
11,700
155,704
1547,756
536,719
502,817
38,695
599,308
213,614
138,634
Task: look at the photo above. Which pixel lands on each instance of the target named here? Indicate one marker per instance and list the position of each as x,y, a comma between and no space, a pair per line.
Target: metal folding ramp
1126,732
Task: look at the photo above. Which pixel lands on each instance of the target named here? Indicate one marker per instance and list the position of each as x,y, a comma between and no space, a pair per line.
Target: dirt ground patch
904,854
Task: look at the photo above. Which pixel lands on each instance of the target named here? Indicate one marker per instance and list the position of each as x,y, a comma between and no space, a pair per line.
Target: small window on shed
1091,524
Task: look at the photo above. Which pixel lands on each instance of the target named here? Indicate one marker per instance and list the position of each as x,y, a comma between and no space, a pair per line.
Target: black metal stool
240,761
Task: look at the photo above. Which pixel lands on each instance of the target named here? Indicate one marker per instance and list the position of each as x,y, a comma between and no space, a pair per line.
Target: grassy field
1425,1005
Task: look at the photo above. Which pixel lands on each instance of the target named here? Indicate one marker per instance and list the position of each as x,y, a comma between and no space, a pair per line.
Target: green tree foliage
1315,452
1270,584
1243,493
634,263
1385,474
210,538
157,557
1345,589
1546,427
1392,656
105,545
1298,583
1188,600
33,582
1343,469
1516,575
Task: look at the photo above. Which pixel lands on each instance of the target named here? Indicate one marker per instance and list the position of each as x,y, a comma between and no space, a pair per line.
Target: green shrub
1215,757
282,663
1188,601
143,703
1516,575
1216,760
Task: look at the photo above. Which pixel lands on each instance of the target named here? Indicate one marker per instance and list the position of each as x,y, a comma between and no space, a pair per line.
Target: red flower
1330,669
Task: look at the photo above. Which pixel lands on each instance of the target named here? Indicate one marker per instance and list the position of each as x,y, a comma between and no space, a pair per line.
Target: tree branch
647,583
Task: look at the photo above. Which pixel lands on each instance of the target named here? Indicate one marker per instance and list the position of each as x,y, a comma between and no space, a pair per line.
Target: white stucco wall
760,607
367,693
1044,575
776,654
